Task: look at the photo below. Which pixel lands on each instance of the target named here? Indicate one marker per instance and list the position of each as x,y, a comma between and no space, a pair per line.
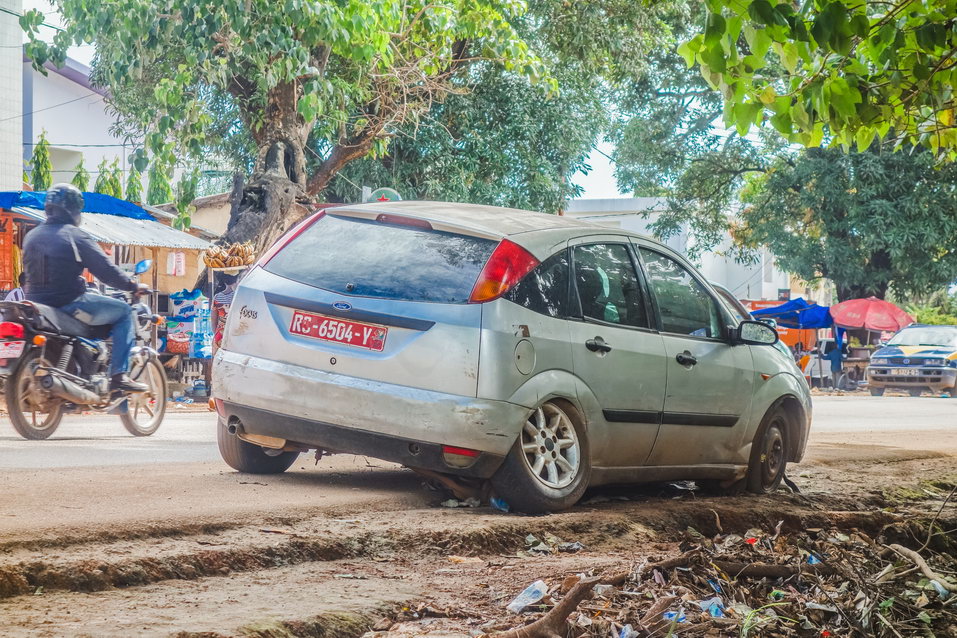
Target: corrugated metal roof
124,231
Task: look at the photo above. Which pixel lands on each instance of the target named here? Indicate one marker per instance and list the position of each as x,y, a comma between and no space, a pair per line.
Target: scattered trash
675,616
351,577
466,560
570,548
499,504
550,545
714,606
603,590
813,560
454,502
532,594
628,632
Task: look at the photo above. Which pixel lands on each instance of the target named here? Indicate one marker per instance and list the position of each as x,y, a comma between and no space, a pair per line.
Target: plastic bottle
532,594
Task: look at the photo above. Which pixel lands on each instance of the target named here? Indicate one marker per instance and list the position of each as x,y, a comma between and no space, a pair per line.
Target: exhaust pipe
66,389
231,428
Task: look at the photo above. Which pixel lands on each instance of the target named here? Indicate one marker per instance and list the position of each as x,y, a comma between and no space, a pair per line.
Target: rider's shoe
123,383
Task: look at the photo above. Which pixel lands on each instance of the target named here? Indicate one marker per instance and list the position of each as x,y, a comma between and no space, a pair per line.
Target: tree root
925,569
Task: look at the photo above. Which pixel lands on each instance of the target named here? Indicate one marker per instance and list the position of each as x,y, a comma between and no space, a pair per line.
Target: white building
73,113
11,140
762,280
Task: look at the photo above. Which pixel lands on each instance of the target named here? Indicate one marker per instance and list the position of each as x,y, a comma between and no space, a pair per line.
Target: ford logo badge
342,305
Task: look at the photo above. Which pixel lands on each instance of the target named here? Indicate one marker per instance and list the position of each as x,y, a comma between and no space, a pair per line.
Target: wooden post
154,304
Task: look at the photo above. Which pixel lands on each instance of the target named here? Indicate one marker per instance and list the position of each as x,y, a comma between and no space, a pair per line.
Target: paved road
189,437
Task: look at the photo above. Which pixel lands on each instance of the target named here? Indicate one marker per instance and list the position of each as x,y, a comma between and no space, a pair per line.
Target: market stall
128,234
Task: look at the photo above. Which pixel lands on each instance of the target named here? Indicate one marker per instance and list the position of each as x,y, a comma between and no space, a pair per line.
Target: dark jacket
54,256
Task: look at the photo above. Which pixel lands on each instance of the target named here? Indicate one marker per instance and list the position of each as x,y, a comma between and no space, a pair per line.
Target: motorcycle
51,364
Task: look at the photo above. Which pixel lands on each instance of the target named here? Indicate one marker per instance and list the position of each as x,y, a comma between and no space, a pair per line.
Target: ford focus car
916,359
541,353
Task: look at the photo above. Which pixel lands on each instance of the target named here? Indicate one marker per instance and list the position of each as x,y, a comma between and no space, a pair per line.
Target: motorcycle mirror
142,266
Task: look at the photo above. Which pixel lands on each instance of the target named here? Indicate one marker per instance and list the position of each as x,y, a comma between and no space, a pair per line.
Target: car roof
491,220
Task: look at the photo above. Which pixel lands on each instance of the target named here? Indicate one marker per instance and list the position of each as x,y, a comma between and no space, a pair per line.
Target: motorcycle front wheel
33,414
145,410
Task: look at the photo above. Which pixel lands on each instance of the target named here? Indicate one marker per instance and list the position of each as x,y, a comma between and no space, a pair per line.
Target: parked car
916,359
740,313
542,353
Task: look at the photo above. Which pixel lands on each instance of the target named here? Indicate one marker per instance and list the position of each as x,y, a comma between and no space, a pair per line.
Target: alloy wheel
550,447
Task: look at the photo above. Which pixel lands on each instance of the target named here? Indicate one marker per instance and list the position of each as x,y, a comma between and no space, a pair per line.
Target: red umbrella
871,313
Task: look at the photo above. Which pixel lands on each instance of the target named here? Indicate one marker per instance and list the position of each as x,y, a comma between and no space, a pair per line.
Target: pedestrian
836,357
17,293
225,296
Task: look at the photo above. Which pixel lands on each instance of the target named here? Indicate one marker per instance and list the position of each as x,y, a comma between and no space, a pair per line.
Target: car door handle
686,359
597,345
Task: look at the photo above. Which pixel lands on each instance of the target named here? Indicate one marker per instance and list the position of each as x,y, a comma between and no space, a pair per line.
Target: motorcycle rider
55,254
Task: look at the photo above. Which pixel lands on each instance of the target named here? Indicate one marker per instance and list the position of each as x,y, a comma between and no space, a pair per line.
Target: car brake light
402,220
506,266
11,330
459,457
291,234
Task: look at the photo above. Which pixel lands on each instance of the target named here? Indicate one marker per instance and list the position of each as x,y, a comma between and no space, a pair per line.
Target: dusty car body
915,359
543,353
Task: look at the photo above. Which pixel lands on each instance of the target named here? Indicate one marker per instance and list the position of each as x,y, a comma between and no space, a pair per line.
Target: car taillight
506,266
11,330
288,237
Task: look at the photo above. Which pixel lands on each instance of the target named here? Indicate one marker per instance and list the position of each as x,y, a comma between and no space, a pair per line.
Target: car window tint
684,305
374,259
545,289
608,285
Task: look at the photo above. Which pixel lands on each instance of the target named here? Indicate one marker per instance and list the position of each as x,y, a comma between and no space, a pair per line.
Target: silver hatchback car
542,353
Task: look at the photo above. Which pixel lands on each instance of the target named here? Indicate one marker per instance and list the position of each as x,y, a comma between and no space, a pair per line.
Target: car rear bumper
338,439
936,378
348,414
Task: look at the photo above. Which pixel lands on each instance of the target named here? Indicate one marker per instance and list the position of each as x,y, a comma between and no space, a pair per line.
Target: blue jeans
97,310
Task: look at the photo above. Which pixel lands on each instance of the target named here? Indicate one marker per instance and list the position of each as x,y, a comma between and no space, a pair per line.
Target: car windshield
926,336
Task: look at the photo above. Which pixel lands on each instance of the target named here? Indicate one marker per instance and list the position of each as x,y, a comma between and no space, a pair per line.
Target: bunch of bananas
232,256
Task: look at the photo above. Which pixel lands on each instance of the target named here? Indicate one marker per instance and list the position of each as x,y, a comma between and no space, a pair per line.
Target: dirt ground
171,550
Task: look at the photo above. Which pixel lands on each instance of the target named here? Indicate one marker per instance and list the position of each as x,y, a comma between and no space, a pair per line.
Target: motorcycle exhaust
66,389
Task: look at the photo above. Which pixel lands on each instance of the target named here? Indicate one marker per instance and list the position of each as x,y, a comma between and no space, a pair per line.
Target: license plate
906,372
353,333
11,349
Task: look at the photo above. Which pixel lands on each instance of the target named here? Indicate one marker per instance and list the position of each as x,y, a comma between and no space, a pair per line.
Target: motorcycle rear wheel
31,418
145,410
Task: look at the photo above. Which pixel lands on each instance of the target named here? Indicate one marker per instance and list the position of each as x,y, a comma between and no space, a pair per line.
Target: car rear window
367,258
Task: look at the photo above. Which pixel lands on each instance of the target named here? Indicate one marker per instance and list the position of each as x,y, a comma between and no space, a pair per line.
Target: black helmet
64,203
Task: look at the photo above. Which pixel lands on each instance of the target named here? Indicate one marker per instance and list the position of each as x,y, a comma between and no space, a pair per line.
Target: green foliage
134,186
185,194
857,71
116,178
940,308
160,191
348,72
81,179
508,141
41,175
865,220
104,180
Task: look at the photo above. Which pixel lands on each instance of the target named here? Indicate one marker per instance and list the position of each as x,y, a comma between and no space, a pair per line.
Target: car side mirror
756,333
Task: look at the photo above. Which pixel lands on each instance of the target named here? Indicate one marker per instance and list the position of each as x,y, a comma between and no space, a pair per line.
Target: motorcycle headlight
880,362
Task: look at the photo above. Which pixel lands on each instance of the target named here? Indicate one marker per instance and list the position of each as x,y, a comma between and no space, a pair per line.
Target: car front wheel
250,458
549,465
769,454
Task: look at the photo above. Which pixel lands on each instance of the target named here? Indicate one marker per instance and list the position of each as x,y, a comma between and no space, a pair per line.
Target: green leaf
714,28
865,136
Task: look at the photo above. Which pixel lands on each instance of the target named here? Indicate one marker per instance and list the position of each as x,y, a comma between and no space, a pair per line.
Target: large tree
346,73
867,221
511,143
849,69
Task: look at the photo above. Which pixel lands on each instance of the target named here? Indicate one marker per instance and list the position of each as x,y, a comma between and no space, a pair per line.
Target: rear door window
545,289
373,259
607,285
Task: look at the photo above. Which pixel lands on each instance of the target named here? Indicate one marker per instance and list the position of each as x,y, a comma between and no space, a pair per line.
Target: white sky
598,183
